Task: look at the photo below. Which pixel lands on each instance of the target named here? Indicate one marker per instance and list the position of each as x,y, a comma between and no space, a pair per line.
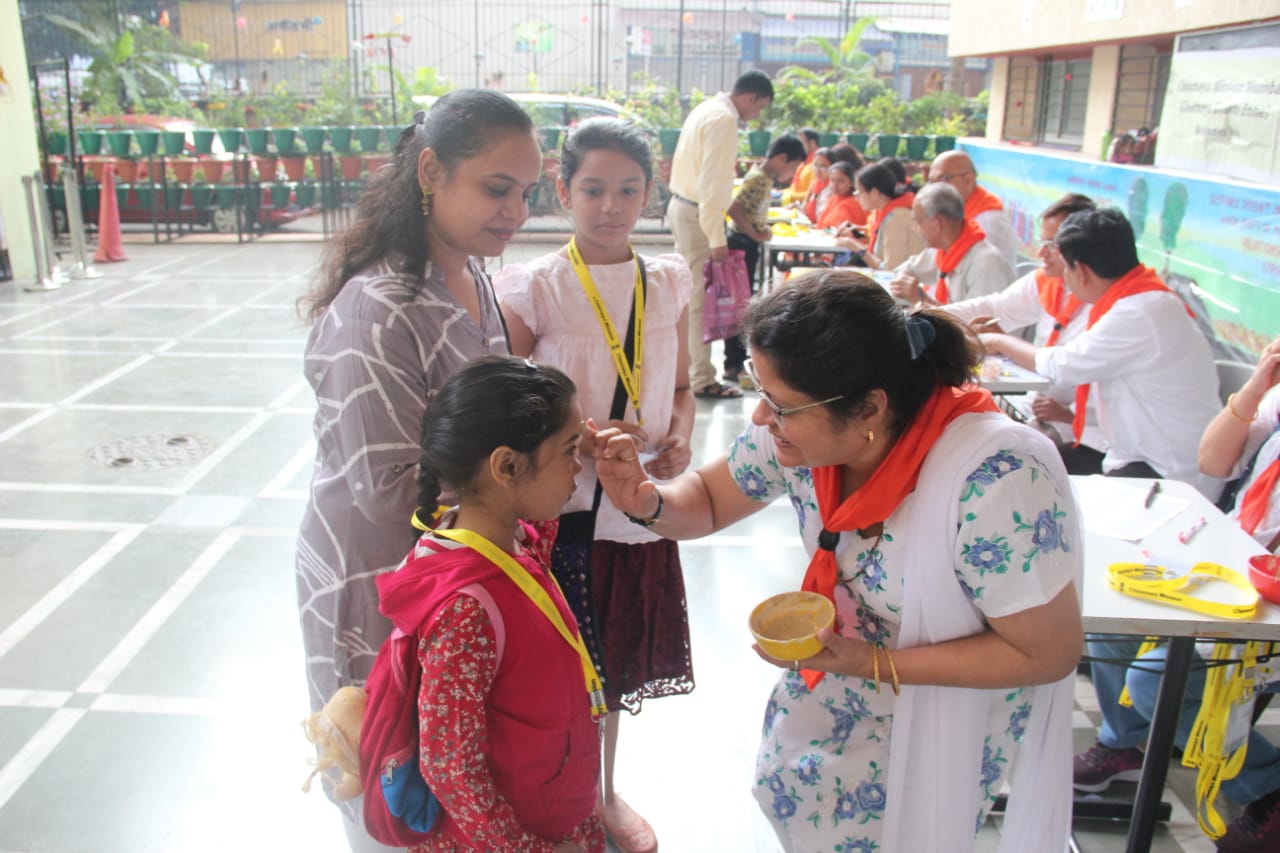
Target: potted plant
175,142
183,169
370,137
267,166
295,166
212,168
341,138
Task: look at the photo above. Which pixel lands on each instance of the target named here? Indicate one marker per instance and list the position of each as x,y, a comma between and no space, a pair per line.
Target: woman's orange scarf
950,258
877,498
1140,279
811,203
1058,302
875,217
841,209
980,201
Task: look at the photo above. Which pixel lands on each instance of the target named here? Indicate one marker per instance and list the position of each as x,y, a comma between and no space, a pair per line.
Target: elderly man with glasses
964,263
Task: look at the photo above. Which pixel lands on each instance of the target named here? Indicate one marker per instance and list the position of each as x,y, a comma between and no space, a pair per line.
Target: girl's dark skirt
632,614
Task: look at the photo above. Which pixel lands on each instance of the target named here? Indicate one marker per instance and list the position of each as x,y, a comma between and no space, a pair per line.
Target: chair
1231,375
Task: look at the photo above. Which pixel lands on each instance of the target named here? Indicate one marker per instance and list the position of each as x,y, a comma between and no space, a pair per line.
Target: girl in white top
570,309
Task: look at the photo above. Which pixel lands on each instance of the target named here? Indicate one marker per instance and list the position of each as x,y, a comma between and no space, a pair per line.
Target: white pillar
1104,73
22,155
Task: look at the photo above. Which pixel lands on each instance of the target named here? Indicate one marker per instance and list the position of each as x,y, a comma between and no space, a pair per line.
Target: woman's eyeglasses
778,411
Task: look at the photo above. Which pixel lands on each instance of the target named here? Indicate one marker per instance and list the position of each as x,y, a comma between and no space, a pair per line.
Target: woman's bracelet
875,668
1231,410
893,671
651,520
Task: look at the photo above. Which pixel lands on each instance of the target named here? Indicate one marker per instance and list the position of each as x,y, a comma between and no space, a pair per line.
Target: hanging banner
1216,240
1222,114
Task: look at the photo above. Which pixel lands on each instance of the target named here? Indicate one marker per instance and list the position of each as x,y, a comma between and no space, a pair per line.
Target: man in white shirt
1040,299
702,173
966,265
1150,369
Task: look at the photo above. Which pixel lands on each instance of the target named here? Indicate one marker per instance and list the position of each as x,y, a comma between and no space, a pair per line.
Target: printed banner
1215,240
1222,114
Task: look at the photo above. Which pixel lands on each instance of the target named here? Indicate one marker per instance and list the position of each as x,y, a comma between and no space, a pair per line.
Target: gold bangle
893,671
875,663
1231,410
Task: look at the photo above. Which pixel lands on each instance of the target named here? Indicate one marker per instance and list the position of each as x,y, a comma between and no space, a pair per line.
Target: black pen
1151,495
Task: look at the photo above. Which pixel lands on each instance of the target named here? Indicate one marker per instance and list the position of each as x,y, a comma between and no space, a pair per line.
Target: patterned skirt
631,611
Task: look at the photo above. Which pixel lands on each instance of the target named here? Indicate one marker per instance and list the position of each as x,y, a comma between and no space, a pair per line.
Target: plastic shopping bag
728,292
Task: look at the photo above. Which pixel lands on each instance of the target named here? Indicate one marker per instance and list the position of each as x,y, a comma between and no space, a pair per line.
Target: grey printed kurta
376,358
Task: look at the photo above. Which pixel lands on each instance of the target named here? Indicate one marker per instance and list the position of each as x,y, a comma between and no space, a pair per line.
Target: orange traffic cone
110,246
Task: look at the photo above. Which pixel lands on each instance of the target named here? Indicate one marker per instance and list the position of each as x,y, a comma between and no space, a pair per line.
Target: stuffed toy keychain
335,730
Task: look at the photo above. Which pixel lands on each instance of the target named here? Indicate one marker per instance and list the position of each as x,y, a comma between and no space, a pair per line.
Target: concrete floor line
38,612
33,753
124,651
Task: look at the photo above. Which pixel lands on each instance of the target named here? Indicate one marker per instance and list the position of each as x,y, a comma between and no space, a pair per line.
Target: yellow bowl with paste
785,625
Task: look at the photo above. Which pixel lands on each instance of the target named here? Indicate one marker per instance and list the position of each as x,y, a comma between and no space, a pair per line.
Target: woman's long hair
389,218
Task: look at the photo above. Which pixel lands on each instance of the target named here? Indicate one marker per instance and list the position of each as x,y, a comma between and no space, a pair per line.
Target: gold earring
426,201
870,436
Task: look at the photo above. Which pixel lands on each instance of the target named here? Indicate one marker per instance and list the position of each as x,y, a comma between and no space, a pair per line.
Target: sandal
717,391
636,837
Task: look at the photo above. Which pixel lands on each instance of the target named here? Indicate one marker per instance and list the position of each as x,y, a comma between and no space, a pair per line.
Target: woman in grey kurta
375,359
400,305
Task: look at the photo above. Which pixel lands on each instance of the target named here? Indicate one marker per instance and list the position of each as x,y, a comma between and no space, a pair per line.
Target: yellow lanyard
629,374
530,587
1216,745
1142,580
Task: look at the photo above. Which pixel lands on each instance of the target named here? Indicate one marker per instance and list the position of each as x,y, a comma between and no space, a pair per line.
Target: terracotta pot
323,166
183,170
664,169
126,170
376,162
267,167
213,169
240,170
51,169
551,167
351,167
295,168
95,167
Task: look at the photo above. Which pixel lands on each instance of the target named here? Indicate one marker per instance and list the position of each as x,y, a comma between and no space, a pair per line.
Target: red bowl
1264,574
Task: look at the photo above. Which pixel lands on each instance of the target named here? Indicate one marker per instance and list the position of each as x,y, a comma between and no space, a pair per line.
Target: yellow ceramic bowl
784,625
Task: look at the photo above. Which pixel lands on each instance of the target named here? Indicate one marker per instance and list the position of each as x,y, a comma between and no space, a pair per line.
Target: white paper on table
1113,507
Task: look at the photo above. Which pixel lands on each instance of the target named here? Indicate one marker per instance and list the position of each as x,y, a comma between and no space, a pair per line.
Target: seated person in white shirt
1040,299
1150,370
964,263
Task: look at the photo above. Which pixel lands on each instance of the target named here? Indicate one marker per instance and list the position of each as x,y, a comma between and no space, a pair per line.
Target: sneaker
1096,768
1255,831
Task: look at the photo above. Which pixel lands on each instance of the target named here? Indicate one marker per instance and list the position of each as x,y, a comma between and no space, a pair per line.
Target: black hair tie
828,539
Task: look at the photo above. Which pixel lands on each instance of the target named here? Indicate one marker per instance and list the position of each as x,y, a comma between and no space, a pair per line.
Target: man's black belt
681,198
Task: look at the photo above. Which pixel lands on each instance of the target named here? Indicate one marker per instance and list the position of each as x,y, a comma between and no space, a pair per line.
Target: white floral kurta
824,755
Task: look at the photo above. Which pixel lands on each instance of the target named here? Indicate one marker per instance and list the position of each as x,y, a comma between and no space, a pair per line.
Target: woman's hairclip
420,117
920,334
529,365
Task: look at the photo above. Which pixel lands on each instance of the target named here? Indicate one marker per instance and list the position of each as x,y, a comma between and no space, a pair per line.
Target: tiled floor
150,665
